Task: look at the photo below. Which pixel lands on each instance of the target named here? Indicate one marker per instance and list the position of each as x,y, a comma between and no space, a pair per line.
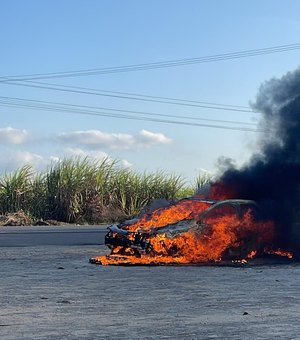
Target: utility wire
122,95
83,111
103,114
26,102
167,99
155,65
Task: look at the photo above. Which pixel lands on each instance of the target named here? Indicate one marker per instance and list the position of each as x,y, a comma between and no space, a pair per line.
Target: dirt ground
53,292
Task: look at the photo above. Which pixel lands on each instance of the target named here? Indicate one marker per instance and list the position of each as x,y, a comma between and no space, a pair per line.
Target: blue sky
58,36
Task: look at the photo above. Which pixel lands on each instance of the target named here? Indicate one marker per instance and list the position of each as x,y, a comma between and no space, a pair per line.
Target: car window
227,210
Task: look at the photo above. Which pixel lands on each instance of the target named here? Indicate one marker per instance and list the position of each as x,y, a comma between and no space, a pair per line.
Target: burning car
140,240
192,230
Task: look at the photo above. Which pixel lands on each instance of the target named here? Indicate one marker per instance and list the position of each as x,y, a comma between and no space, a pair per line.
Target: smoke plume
272,176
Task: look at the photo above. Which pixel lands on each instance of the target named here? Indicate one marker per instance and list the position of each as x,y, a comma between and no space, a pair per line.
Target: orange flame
185,209
226,237
280,252
252,254
219,191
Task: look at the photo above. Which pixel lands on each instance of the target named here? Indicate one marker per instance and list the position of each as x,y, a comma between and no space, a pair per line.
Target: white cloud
92,155
152,138
126,164
10,135
54,159
97,138
77,152
11,161
203,171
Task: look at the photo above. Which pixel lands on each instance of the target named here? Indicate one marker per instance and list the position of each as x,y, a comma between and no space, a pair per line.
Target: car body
131,238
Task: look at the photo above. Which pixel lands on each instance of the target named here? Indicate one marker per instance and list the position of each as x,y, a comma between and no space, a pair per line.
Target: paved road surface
39,236
54,293
50,291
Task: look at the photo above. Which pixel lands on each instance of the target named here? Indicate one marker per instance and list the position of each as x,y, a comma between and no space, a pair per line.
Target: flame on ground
280,252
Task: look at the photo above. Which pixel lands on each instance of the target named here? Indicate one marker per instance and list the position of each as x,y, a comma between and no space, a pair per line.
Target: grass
80,190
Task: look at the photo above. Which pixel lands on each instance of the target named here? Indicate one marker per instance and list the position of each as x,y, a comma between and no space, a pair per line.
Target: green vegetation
84,191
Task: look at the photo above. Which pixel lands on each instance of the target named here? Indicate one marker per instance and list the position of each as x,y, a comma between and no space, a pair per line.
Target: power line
124,95
74,110
155,65
62,106
110,115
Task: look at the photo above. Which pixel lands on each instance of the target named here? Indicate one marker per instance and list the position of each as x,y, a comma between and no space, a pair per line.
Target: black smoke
272,176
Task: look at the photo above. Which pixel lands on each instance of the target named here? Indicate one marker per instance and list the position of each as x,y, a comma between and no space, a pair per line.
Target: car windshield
185,209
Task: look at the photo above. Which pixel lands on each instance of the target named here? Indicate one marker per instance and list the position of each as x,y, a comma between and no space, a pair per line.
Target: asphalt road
50,291
54,293
56,235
